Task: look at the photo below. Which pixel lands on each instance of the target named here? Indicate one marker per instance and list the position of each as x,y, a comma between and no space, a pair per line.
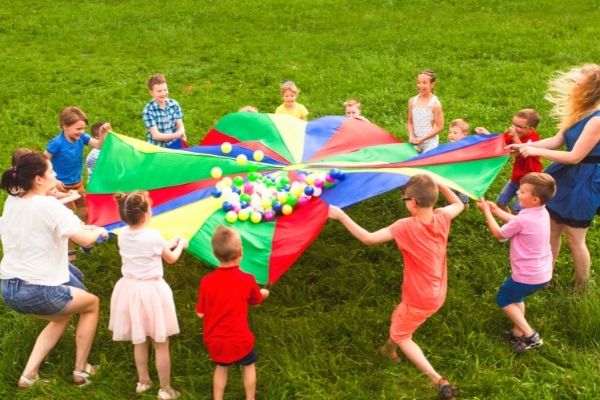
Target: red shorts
406,320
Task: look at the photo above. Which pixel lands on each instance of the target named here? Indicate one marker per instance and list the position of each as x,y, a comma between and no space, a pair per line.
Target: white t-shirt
34,233
141,253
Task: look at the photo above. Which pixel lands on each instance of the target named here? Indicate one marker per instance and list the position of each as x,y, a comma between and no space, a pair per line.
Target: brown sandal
446,390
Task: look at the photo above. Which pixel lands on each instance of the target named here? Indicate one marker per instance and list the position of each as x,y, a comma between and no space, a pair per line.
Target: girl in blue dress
576,98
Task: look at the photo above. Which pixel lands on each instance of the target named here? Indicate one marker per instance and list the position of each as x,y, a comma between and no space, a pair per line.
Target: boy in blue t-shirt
65,151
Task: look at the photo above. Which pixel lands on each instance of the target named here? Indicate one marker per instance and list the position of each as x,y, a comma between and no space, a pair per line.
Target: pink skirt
141,309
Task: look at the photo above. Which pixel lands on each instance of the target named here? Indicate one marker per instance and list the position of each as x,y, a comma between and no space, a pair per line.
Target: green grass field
317,333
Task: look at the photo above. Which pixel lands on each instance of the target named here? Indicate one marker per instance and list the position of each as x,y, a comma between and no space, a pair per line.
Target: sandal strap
28,381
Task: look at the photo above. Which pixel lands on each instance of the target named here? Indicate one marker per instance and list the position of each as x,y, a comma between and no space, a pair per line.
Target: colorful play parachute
280,174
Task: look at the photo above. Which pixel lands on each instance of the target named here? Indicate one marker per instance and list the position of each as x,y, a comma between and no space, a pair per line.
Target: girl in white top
142,309
425,116
35,229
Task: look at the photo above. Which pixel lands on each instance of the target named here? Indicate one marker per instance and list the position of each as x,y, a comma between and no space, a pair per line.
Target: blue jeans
29,298
507,194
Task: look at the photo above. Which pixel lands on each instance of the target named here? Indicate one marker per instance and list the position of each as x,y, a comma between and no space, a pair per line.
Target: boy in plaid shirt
162,116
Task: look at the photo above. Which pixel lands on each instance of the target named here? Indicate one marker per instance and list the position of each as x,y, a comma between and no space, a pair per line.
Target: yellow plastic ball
231,216
226,147
216,172
286,209
258,155
243,214
255,217
241,159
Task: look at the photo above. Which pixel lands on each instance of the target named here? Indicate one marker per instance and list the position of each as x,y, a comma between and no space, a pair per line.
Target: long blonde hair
575,94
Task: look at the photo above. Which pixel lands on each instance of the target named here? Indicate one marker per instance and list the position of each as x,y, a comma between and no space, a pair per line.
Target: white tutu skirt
141,309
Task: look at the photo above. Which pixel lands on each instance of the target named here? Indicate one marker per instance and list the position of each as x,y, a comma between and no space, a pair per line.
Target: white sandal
168,394
81,378
142,387
25,381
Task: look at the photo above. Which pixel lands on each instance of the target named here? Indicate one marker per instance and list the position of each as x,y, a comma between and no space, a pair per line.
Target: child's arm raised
455,205
97,143
366,237
172,254
491,222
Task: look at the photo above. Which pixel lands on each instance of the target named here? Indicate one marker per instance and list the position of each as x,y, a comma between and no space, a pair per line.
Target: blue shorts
245,361
75,278
507,194
512,292
28,298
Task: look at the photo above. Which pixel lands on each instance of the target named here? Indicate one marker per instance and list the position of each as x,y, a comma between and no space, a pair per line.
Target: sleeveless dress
423,123
142,303
577,197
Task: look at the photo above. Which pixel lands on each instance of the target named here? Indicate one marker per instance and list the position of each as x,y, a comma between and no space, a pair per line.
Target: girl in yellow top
289,92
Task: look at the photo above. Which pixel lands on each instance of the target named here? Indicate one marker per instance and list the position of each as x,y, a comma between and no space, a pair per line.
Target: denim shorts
512,292
250,359
507,194
28,298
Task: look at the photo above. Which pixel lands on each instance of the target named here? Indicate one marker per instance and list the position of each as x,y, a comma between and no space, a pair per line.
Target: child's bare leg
163,363
249,378
516,313
556,231
140,355
413,352
219,382
580,254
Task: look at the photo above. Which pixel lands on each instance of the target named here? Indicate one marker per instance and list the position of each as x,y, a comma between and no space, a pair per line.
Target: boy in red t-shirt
223,299
522,130
422,239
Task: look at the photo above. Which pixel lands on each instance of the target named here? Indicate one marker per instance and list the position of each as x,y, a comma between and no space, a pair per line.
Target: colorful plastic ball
317,192
269,216
248,188
226,147
335,173
303,200
231,216
301,177
286,209
252,176
284,180
241,159
238,181
226,206
318,182
309,190
310,179
227,181
216,193
292,201
243,204
282,197
216,172
328,185
329,178
243,214
236,189
277,206
255,217
245,197
258,155
266,203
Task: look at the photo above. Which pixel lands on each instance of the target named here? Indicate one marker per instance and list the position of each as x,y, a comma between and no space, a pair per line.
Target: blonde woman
576,98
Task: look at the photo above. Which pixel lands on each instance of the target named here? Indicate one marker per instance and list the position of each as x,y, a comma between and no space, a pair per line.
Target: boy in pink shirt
530,253
422,239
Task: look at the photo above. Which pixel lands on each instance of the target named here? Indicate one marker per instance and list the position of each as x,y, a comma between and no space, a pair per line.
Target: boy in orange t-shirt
422,239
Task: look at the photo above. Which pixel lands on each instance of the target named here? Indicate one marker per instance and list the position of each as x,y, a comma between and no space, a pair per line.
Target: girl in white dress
142,305
425,116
